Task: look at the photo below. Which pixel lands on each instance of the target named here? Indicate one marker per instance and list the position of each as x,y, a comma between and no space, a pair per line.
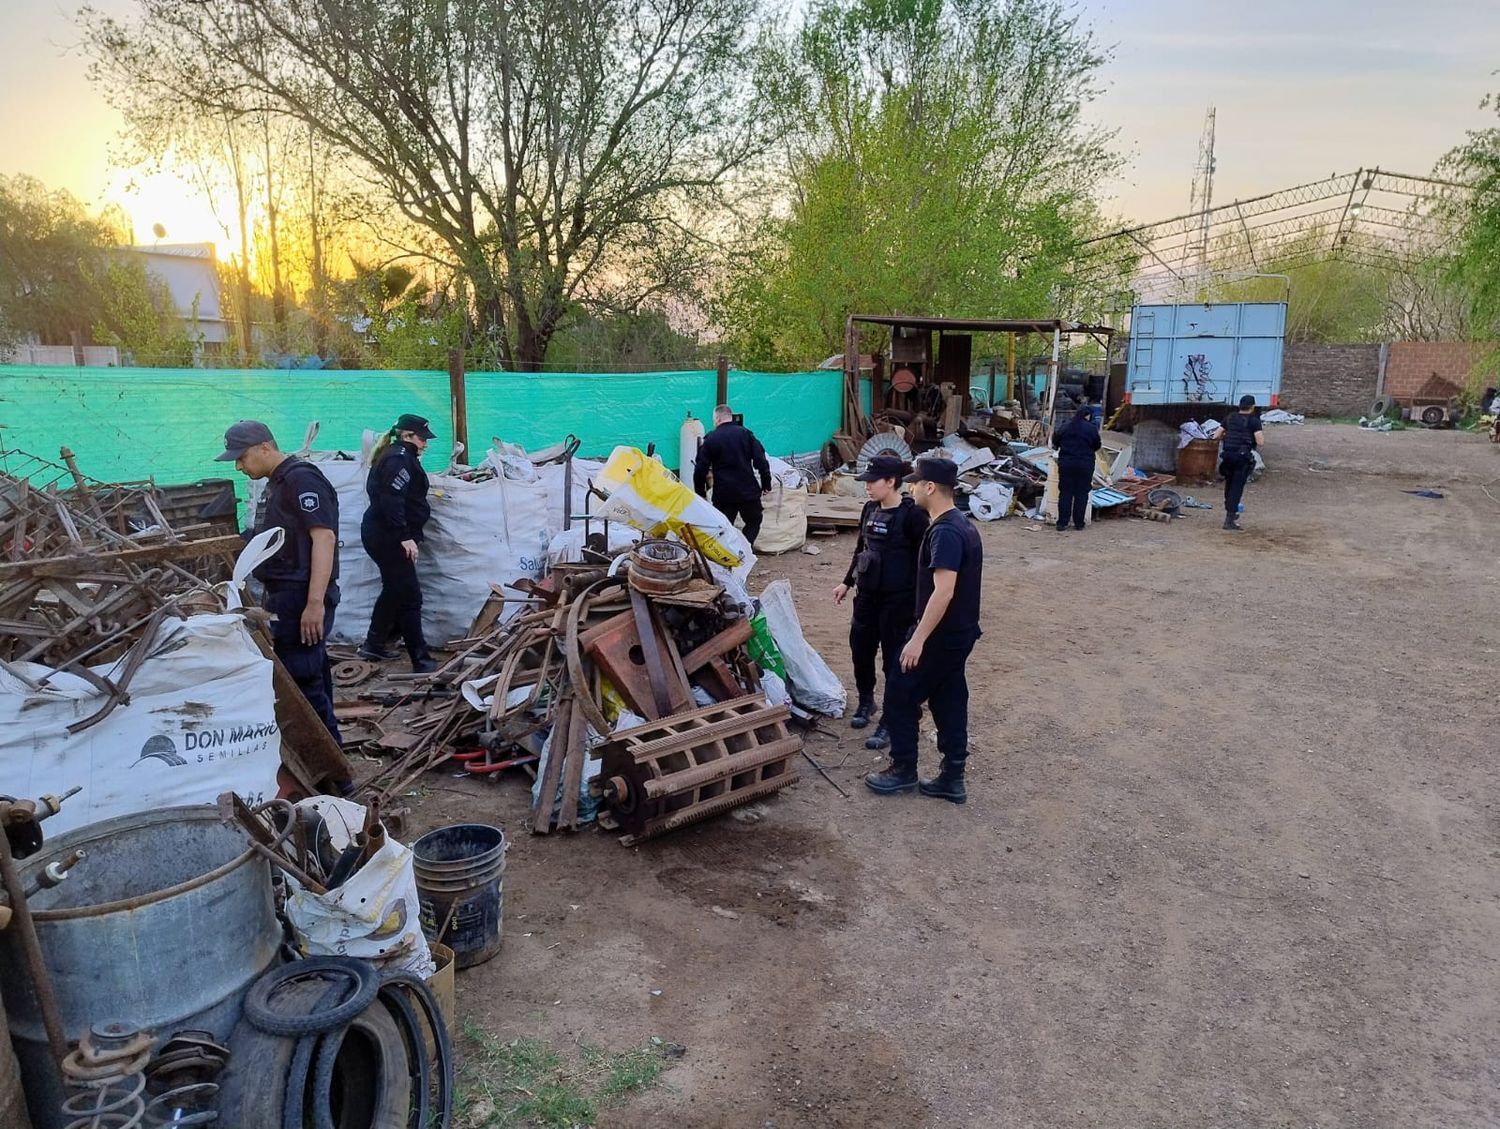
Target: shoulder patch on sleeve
308,500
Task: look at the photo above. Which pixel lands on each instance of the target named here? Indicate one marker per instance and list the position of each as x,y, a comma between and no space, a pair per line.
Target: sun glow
179,207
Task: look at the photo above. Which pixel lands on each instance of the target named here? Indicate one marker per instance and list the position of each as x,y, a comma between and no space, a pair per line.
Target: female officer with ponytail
391,532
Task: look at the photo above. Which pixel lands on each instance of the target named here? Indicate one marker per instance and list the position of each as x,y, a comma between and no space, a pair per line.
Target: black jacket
735,456
1076,443
397,489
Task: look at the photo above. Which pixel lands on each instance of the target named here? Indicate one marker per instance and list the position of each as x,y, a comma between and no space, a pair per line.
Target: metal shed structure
928,352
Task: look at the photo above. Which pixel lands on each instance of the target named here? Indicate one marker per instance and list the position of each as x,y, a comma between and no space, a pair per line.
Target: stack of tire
334,1043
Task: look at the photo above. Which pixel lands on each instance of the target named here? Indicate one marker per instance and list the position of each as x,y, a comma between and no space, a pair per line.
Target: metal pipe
41,982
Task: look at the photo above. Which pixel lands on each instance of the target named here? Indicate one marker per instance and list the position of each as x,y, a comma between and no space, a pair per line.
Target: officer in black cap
883,576
301,580
949,565
391,532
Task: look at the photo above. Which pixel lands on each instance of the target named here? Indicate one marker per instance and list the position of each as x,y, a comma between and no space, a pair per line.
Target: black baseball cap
882,466
1247,401
944,472
241,437
415,424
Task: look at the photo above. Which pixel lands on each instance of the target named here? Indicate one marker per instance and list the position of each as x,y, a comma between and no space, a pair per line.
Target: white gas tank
687,448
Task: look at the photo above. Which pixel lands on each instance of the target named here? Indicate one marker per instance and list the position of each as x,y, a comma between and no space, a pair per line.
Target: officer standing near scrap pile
301,580
949,565
392,531
739,465
883,576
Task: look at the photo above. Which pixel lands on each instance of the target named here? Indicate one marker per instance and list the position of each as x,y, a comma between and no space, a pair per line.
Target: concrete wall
1329,380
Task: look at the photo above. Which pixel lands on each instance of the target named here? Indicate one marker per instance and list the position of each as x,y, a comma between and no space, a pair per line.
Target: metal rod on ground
823,772
41,982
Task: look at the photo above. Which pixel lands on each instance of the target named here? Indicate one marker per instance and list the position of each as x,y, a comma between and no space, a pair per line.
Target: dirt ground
1229,858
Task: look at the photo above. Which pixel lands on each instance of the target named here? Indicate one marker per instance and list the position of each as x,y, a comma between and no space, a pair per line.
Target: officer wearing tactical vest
301,579
883,575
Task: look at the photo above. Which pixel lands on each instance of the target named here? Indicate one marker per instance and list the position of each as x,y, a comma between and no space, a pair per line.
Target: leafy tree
51,255
65,280
1474,264
544,151
940,162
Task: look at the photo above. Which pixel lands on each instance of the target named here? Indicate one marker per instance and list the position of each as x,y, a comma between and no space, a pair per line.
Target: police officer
883,575
1243,435
736,458
391,532
949,565
301,579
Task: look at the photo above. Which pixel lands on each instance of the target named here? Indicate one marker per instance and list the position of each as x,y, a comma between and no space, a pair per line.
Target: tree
65,280
940,163
542,151
1474,264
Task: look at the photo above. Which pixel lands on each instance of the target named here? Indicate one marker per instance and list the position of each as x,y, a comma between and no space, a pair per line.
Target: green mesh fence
168,424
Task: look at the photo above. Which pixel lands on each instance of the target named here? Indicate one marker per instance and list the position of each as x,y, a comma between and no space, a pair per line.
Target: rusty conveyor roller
682,769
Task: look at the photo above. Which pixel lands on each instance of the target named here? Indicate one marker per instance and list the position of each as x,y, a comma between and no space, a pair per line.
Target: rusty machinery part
660,567
903,380
883,443
107,1076
665,775
351,672
182,1080
21,820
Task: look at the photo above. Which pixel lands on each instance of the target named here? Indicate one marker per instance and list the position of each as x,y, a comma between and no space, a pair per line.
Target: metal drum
162,926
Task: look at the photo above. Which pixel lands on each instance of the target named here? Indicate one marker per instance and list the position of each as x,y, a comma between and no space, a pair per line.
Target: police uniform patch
308,501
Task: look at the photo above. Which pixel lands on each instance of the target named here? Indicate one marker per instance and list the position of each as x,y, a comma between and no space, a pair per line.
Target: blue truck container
1211,354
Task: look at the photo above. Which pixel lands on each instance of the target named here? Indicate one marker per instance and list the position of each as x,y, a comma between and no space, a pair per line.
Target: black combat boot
1231,524
862,712
879,740
895,777
375,652
948,784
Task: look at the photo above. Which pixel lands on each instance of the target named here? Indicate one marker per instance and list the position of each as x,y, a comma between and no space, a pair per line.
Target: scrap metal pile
647,640
87,568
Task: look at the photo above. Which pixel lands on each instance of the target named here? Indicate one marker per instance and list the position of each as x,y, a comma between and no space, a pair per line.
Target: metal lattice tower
1201,200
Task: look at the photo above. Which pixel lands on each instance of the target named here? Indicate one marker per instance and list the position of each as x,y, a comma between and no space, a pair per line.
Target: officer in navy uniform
883,575
949,565
301,580
391,533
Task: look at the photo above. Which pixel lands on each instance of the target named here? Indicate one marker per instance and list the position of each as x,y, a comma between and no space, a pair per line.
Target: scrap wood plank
832,510
546,796
69,566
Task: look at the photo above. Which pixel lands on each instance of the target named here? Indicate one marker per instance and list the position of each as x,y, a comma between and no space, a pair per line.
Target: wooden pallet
829,511
689,767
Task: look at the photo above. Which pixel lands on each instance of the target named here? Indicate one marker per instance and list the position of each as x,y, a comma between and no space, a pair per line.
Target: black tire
1433,414
362,977
1382,407
251,1089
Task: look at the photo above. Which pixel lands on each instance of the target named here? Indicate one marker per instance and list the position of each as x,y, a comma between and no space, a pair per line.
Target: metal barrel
163,925
460,873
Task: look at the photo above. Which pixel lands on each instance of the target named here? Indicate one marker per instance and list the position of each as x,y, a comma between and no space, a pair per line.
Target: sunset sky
1304,88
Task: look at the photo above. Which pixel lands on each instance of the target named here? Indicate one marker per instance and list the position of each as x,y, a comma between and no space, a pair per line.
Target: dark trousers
308,666
398,608
1236,471
1073,484
753,512
938,680
881,622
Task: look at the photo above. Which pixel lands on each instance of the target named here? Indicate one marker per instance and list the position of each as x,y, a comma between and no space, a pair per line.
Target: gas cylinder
687,450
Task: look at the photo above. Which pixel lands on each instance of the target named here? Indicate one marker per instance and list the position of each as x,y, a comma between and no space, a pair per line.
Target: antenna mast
1202,199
